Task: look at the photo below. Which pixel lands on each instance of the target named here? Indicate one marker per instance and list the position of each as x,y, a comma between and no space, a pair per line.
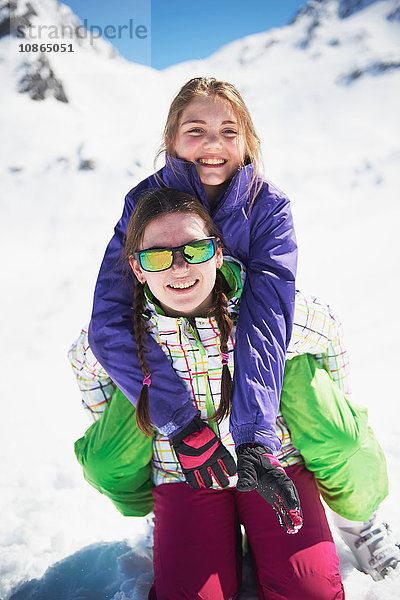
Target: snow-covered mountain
42,22
81,128
82,99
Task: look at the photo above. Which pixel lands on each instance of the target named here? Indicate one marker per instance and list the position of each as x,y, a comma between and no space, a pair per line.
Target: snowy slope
324,94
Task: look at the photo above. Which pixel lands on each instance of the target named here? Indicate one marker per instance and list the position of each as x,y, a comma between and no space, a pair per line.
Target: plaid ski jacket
193,350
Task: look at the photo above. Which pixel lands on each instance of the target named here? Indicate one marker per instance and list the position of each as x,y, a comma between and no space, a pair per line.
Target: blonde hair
212,88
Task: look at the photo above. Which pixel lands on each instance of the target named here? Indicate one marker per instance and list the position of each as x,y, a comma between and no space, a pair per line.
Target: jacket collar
182,175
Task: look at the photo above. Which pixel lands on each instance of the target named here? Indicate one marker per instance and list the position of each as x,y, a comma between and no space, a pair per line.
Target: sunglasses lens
156,260
199,252
194,253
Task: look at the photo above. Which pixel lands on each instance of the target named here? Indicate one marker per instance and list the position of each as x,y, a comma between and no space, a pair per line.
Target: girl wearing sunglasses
187,299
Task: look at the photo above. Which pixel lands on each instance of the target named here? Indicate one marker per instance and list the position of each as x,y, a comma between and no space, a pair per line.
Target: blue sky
163,32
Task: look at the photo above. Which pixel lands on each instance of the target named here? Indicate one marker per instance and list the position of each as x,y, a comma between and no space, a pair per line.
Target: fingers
291,520
203,477
228,464
287,506
219,474
198,478
296,517
193,481
279,490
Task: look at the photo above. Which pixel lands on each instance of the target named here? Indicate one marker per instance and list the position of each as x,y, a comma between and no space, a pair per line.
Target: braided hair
142,407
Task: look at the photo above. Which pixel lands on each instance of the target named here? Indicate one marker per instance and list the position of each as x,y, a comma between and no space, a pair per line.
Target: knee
310,574
316,587
316,574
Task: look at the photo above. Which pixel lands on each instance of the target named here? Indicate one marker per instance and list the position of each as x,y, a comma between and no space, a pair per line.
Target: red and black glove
258,469
202,455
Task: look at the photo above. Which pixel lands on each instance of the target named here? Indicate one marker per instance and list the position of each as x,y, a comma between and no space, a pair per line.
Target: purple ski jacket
263,239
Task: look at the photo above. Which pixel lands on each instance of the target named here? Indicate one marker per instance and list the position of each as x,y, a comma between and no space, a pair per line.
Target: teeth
182,286
212,161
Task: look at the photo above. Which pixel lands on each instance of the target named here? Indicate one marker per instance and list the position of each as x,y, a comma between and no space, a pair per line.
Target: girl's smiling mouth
183,286
211,161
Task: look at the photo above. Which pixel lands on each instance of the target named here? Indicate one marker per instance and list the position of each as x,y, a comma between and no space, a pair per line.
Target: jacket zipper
194,175
209,404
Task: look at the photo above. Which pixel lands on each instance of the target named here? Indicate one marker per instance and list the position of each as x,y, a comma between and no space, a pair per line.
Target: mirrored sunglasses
161,259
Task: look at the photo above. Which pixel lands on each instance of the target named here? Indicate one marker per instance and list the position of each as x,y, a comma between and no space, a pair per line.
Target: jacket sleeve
112,341
265,322
317,330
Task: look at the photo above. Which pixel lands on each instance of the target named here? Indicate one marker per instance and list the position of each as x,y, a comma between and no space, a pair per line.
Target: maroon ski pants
197,554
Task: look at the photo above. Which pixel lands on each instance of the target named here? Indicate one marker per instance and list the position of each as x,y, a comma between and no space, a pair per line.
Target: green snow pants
334,438
333,435
115,458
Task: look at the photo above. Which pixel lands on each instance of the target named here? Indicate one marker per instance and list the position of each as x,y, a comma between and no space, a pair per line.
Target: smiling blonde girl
212,153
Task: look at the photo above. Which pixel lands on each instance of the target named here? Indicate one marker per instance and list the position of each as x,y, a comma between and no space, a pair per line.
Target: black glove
202,454
259,470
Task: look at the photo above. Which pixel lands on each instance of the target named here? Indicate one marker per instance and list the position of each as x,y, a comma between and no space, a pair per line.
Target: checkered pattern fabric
94,384
318,330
